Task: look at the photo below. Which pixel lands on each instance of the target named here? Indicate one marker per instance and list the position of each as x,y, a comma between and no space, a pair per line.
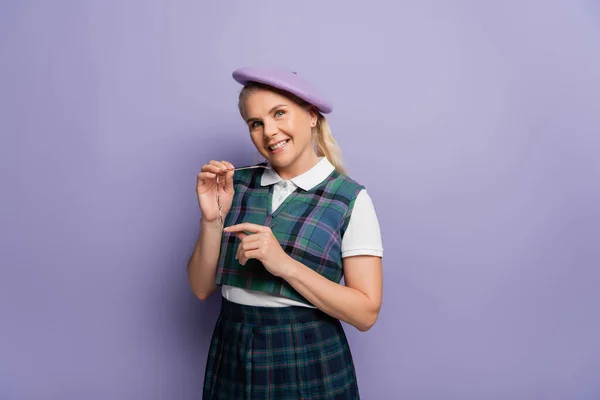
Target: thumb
229,181
241,235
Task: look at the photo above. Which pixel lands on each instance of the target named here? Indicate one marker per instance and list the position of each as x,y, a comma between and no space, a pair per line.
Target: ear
314,116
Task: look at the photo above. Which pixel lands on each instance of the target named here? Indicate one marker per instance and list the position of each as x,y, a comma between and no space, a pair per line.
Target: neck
299,166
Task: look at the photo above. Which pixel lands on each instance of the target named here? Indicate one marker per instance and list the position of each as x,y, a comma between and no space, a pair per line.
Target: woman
277,238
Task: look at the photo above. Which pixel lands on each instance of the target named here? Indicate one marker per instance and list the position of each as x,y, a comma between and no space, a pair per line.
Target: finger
240,255
249,242
247,255
241,235
229,182
228,164
249,246
203,176
238,252
247,226
215,169
222,167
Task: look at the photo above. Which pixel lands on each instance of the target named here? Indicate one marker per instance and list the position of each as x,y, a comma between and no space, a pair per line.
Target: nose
270,129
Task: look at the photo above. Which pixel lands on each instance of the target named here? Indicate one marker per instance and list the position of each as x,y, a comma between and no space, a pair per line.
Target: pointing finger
246,226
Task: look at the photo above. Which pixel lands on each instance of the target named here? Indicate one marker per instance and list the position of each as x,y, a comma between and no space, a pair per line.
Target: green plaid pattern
309,226
275,353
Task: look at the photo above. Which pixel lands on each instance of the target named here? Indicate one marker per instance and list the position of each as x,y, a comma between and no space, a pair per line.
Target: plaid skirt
278,353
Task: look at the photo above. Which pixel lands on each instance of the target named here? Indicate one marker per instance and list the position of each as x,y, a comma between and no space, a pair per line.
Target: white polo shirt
362,236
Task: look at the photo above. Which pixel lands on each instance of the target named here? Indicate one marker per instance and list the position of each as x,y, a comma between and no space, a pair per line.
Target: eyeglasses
219,196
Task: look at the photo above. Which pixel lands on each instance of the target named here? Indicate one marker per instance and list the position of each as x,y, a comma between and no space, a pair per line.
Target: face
281,131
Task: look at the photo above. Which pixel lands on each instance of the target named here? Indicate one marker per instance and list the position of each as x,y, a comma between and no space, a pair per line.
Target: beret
285,80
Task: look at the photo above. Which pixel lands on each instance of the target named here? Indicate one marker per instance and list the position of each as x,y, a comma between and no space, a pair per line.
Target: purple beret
285,80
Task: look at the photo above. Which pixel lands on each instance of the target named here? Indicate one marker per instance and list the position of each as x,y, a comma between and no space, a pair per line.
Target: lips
278,145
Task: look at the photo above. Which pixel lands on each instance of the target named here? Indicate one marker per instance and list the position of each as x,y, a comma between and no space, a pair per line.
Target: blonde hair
324,143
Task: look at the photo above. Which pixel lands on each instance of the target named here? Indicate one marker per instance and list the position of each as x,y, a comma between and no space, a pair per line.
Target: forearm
202,265
339,301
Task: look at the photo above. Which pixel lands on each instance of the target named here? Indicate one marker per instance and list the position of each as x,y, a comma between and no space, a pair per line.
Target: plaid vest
308,225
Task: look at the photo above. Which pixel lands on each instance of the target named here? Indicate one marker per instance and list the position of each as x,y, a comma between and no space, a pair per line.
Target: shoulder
347,179
363,209
345,185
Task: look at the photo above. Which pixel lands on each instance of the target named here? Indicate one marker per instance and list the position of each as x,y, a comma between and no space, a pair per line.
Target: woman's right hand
206,188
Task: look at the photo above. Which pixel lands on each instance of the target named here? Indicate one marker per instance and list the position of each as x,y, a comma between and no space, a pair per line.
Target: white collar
305,181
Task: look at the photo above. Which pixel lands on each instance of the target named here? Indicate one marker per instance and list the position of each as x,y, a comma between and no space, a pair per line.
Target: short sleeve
363,234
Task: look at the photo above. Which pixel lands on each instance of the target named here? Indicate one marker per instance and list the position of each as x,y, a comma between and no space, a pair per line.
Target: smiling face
281,130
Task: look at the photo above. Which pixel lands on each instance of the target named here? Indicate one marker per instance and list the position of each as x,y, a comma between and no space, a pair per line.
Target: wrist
210,225
290,268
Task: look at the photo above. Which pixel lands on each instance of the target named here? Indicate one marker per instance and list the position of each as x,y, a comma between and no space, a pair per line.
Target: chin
279,163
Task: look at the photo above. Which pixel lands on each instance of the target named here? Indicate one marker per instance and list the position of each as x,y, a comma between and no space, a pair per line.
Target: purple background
475,128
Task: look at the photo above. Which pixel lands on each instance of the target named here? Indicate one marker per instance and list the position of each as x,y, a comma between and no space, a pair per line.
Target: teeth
278,145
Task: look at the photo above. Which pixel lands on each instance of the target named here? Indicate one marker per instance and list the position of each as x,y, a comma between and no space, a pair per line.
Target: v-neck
271,214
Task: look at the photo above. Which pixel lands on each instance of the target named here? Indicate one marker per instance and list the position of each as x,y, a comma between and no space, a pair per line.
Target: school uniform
269,341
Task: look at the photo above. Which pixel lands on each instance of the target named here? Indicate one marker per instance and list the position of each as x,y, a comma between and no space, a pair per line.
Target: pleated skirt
278,353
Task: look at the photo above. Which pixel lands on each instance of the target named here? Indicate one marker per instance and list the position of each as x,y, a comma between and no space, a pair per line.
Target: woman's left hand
262,245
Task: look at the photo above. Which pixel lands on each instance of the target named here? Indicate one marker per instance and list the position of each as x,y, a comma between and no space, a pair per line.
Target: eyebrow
270,111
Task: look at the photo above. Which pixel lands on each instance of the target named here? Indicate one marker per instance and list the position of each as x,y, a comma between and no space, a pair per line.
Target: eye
279,113
255,124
